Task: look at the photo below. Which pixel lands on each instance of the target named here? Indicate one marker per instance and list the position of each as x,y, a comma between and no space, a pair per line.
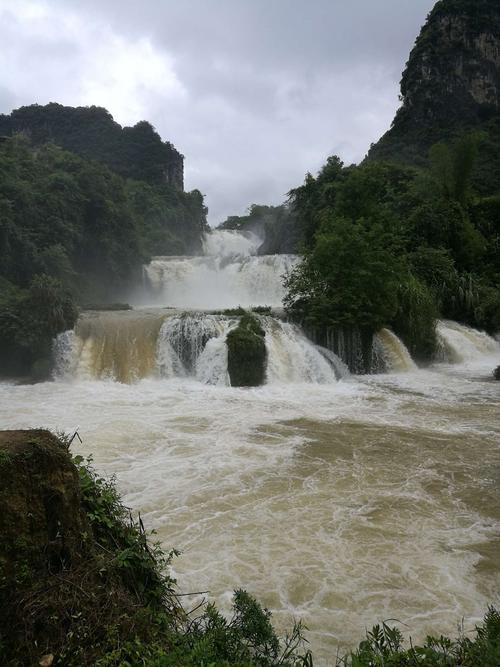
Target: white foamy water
128,346
228,275
341,503
213,282
228,243
460,343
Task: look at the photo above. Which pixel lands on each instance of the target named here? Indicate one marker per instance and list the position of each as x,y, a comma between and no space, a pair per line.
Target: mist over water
228,275
337,499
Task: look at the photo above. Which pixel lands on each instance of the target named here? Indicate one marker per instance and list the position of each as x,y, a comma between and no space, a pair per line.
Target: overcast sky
254,93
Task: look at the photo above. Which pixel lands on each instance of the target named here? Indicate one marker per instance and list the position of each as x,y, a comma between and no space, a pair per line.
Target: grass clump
384,647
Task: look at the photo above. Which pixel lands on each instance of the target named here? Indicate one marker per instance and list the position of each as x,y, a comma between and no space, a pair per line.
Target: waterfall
130,345
459,343
291,357
117,345
194,344
390,353
345,343
229,243
211,283
64,355
228,275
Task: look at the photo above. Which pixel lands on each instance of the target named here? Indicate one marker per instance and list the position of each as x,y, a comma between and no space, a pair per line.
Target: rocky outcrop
451,81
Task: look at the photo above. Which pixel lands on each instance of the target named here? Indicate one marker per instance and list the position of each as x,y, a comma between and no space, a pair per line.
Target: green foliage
415,319
133,152
29,320
452,166
389,245
77,221
384,647
246,352
86,230
142,566
349,274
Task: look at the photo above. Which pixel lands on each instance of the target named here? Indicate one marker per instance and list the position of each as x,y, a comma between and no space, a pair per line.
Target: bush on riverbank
246,353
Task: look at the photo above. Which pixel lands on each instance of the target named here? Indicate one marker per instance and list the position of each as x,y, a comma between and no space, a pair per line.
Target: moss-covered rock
247,354
496,373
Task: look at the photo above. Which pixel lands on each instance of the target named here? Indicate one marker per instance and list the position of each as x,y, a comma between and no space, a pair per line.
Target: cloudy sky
254,93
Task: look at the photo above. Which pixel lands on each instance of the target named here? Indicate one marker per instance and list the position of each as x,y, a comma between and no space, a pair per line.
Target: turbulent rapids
335,498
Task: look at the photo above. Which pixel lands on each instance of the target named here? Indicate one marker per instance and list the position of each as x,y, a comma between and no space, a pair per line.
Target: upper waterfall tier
228,275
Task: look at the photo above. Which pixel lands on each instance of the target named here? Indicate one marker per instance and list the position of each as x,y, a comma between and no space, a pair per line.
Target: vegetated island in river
411,234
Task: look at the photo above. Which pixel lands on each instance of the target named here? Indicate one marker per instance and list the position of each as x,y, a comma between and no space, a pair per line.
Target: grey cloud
270,87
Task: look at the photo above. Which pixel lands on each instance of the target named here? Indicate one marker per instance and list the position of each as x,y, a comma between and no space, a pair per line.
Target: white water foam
459,343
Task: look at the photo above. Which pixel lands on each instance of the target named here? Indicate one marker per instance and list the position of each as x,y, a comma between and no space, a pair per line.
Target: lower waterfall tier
127,346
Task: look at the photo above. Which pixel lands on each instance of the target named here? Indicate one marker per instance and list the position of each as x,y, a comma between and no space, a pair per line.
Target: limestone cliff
451,82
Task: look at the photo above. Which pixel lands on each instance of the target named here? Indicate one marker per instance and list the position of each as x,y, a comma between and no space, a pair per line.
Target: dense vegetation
132,152
82,228
398,246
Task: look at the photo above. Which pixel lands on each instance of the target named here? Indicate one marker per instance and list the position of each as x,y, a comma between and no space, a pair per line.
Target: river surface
340,504
335,499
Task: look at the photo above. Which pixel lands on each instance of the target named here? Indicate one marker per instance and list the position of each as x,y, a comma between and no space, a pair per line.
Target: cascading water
390,353
193,344
293,358
459,343
158,342
228,275
128,346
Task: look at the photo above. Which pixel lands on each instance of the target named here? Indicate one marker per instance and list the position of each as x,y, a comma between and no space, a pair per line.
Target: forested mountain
451,85
77,225
133,152
413,233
